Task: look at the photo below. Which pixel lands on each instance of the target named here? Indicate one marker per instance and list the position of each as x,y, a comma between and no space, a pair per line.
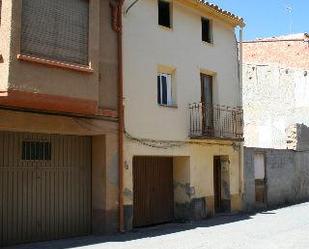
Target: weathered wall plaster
273,99
287,172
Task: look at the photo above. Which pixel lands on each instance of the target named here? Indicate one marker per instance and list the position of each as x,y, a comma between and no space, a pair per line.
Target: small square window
34,151
164,12
206,30
165,89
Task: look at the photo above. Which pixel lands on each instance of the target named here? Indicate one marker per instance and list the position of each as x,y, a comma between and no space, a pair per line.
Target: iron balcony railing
215,121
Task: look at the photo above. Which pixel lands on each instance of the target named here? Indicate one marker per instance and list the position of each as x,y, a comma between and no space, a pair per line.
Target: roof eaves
238,20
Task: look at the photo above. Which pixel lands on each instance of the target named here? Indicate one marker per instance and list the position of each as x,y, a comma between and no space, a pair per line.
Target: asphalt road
286,228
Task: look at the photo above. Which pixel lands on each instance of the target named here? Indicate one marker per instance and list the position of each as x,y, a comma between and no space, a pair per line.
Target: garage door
153,201
45,187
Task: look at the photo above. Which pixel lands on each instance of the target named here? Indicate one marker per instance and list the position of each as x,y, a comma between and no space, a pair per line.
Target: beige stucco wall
100,86
147,45
42,79
108,59
104,156
5,32
199,174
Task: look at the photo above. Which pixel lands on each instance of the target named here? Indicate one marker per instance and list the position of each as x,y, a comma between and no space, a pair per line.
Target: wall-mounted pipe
130,6
117,27
241,150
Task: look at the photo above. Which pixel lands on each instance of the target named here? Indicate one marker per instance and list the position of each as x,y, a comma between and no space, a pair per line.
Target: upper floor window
206,30
164,13
207,89
165,89
56,30
0,10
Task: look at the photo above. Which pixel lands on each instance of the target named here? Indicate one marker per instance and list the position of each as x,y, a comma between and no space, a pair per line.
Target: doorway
260,179
222,199
153,200
207,104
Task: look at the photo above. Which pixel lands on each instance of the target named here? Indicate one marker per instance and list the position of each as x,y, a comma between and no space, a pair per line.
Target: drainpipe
241,150
240,63
117,27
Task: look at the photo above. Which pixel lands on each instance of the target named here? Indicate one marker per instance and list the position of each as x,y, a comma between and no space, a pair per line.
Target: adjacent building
58,119
183,111
276,106
69,165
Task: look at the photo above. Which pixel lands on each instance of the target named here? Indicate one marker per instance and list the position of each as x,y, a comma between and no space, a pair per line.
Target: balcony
215,122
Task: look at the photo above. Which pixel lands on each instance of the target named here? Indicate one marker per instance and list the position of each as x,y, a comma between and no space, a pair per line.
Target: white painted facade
150,49
180,50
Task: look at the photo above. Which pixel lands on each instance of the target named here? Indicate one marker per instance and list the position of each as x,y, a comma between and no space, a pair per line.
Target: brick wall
287,53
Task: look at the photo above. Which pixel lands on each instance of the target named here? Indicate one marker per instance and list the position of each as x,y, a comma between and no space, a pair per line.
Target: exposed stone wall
287,177
298,137
274,98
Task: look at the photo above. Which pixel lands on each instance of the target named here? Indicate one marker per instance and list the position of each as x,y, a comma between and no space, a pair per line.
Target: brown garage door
45,187
153,190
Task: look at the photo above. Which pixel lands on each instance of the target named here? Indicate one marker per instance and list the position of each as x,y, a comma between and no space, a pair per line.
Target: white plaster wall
273,99
147,45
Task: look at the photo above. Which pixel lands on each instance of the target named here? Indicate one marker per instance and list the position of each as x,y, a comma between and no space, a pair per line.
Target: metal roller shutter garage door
45,187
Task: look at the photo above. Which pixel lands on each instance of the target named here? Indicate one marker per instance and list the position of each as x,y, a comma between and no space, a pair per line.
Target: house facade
275,101
183,112
58,119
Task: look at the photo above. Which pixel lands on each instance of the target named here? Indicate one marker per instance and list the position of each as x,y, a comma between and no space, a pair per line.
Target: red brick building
288,51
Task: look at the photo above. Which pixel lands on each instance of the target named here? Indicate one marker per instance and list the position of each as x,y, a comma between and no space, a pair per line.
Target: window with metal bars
56,30
36,150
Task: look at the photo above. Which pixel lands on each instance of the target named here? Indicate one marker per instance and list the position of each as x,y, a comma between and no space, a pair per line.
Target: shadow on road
140,233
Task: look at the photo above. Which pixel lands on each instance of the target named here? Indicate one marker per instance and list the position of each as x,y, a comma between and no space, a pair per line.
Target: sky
267,18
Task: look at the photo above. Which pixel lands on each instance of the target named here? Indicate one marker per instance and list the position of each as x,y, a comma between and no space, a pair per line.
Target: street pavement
285,228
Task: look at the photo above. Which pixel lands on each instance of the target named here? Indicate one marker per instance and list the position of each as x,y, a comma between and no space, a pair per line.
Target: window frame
170,95
42,151
55,63
170,26
209,39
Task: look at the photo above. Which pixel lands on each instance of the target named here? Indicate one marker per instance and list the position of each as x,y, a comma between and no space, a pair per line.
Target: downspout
117,27
241,63
241,149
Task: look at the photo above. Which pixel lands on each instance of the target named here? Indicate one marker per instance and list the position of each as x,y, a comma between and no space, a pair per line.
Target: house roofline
216,11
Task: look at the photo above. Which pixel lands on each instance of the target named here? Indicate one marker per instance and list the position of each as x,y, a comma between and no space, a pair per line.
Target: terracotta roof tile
239,20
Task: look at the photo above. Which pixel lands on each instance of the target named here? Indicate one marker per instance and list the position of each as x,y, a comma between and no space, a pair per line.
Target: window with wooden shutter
56,30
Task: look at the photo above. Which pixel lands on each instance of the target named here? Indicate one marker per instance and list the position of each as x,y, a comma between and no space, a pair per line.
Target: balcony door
207,106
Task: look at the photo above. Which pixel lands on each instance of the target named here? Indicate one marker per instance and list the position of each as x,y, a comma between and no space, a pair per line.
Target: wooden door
207,100
217,184
153,201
